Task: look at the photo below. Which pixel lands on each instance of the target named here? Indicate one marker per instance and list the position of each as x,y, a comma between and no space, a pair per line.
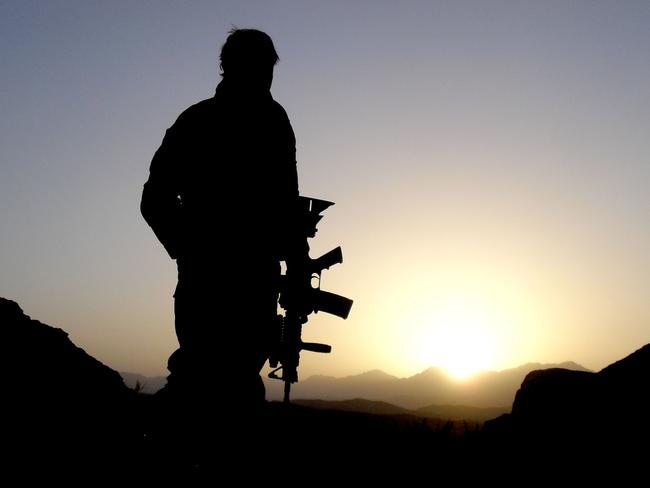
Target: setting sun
459,342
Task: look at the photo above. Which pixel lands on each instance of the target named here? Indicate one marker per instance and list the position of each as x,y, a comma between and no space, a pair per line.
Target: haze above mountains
432,386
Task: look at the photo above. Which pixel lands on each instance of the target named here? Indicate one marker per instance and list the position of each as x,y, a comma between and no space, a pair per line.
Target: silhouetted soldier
220,198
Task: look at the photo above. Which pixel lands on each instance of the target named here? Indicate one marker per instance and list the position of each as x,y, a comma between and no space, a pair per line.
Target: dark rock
46,361
564,412
65,408
555,394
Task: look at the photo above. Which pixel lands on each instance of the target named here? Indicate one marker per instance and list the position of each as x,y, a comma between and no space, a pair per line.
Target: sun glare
460,342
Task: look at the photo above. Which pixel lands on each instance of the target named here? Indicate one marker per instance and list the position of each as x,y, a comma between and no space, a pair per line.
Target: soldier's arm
161,205
295,245
295,239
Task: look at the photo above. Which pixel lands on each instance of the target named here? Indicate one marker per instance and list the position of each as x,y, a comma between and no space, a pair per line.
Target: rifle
299,298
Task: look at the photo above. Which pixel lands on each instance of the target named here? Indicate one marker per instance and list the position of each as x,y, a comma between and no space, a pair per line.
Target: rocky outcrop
62,406
594,412
433,386
45,363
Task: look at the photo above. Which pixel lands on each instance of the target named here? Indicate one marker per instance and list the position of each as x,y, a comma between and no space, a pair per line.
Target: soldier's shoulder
196,112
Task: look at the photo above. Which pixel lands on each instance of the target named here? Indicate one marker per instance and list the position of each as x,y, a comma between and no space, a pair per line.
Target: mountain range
432,386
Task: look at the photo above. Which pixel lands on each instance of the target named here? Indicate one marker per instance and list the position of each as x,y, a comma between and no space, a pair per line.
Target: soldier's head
247,58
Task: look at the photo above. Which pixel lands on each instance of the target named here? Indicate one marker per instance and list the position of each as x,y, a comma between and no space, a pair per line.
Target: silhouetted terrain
69,416
150,385
593,409
63,409
433,386
488,389
440,412
144,384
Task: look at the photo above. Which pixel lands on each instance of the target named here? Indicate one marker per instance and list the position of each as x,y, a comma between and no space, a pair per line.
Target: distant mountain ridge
433,386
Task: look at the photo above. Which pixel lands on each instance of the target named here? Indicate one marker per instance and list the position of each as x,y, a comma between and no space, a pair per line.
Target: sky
489,161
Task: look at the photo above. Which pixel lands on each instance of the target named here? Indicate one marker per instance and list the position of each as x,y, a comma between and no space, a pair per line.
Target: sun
459,340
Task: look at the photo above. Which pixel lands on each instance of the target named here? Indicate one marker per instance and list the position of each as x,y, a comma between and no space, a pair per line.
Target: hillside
440,412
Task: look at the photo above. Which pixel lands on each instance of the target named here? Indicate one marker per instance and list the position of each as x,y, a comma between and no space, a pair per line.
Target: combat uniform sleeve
295,242
161,205
289,166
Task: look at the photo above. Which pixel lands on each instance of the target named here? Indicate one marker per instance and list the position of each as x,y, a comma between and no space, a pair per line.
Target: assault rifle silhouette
301,295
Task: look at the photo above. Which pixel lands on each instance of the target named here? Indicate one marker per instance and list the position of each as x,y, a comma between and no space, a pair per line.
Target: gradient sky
489,161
